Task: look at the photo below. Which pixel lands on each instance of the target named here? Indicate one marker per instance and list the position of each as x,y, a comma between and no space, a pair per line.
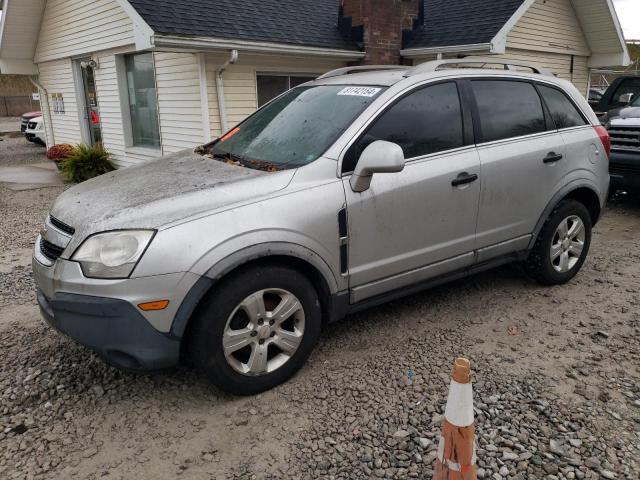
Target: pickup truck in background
623,125
619,94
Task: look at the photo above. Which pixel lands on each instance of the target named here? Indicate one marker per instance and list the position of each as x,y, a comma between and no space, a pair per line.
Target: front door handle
552,157
464,178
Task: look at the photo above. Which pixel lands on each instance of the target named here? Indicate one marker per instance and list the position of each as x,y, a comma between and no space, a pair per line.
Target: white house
150,77
568,37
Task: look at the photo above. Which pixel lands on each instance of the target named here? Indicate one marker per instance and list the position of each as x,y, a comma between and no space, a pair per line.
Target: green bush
86,162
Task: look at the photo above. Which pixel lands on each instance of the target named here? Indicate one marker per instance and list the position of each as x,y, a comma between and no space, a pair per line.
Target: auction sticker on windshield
360,91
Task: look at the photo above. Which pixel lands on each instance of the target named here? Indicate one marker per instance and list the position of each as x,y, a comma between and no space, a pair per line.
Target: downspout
47,108
220,90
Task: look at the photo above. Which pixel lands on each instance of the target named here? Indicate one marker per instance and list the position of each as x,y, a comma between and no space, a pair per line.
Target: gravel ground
16,150
556,378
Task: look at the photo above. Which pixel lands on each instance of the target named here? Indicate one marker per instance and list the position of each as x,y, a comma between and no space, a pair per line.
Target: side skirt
340,306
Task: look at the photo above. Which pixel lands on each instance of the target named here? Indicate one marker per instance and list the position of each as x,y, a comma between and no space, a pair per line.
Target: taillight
604,138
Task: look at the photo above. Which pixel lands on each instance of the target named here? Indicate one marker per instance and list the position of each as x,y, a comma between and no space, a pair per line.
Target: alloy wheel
263,332
567,244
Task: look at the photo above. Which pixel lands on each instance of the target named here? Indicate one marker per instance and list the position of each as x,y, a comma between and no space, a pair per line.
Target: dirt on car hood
162,191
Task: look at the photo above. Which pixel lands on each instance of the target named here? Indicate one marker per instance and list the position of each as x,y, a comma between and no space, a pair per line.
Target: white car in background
35,131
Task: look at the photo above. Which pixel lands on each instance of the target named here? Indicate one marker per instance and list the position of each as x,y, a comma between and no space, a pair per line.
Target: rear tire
562,245
270,315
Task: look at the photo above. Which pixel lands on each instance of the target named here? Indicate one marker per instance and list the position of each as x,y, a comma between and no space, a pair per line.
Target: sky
629,15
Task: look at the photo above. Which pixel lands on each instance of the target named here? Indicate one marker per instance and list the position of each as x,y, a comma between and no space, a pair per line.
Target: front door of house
91,110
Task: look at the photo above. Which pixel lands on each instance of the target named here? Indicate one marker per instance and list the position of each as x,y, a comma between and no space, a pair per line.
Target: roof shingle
461,22
298,22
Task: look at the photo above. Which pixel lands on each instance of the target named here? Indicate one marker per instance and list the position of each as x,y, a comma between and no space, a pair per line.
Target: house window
272,85
143,101
58,103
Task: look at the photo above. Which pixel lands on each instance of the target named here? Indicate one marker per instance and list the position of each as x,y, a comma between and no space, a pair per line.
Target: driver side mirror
379,157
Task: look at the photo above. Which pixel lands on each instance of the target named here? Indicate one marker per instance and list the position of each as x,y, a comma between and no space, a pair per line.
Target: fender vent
343,233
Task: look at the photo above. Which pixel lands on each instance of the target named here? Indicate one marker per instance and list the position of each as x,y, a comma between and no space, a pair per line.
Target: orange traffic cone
456,452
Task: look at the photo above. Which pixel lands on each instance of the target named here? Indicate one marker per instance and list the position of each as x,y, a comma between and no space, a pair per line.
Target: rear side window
508,109
426,121
563,111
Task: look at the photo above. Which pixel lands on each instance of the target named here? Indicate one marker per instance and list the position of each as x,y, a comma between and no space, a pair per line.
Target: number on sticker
359,91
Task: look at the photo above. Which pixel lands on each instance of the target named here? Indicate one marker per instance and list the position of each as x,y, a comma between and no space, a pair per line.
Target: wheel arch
295,256
584,193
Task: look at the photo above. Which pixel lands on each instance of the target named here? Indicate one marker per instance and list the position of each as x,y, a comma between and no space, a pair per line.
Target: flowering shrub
60,152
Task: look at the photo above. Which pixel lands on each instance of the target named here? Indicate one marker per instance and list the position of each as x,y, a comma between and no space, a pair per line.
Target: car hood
32,115
624,114
161,192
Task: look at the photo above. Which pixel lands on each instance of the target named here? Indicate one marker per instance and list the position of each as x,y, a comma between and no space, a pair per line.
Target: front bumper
112,328
624,170
103,314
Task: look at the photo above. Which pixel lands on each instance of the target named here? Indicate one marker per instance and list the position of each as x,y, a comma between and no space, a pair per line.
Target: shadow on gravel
629,202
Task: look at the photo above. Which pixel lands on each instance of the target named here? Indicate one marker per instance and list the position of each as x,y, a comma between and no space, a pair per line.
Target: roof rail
360,69
435,65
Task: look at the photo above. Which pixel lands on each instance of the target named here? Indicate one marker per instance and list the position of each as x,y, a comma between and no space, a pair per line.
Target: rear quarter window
508,109
563,112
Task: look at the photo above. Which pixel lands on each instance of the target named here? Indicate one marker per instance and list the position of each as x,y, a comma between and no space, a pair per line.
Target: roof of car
300,22
443,19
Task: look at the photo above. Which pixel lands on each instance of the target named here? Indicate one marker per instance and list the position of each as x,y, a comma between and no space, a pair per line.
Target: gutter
220,90
47,108
421,52
213,44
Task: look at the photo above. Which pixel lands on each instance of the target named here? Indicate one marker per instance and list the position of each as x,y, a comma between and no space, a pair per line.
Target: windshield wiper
236,159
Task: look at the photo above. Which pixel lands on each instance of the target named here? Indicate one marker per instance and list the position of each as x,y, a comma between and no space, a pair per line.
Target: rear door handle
464,178
552,157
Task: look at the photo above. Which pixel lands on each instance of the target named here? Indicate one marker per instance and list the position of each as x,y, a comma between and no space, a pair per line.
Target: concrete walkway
30,177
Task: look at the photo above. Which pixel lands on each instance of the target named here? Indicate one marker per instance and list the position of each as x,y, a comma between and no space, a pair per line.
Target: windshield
296,128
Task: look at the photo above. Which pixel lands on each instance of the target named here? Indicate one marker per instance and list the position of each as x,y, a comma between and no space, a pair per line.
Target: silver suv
364,185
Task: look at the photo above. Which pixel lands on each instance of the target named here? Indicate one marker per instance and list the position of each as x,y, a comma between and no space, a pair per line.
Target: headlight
112,254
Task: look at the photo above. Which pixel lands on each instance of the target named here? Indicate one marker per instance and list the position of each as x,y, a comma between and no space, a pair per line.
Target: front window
143,101
295,129
424,122
271,85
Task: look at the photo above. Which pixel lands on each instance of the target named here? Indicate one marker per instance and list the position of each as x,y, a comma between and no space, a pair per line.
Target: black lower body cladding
112,328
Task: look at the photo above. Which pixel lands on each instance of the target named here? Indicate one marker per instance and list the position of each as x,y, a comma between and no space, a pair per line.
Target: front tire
562,245
256,329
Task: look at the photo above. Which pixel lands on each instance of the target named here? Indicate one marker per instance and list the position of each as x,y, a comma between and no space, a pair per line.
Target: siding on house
179,105
240,88
549,26
558,63
111,114
179,109
57,78
77,27
547,35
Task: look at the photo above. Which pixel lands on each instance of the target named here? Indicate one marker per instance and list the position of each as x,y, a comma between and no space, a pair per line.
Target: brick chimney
379,26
